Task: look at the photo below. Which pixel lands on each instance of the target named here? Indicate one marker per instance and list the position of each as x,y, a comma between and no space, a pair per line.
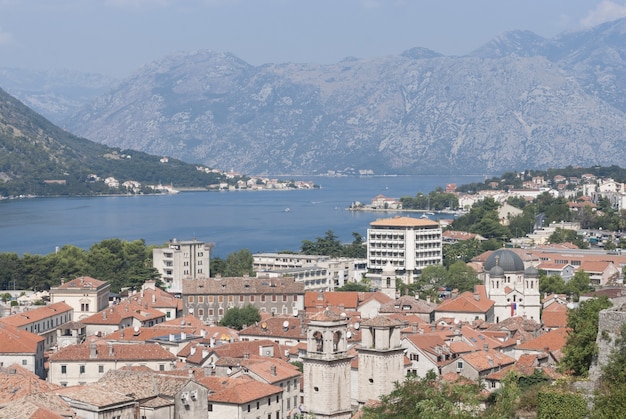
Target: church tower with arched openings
381,357
327,366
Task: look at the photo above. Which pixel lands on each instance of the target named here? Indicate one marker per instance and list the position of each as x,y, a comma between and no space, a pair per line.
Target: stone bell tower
381,357
327,366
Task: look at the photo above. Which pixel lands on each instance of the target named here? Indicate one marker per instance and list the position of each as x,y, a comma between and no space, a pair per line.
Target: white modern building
182,260
405,244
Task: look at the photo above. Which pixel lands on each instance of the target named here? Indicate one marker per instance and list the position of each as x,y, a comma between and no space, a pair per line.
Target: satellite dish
136,329
456,321
264,325
285,323
343,315
348,334
357,325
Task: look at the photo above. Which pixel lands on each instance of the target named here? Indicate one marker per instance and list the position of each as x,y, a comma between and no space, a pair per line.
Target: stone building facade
209,298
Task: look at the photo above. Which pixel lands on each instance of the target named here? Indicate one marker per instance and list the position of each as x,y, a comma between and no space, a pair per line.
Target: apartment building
88,362
182,260
209,298
405,244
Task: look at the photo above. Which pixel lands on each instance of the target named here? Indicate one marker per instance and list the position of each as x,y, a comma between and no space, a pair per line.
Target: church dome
496,271
531,271
508,260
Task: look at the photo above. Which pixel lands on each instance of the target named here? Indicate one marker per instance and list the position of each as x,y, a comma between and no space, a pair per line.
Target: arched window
319,341
336,341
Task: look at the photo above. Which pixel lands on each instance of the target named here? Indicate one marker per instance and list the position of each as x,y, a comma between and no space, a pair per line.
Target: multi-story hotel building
182,260
404,244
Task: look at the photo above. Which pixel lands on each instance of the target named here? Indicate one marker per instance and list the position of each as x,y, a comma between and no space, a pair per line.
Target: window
161,367
263,298
241,297
220,298
231,298
248,407
200,312
269,401
100,369
284,298
190,299
415,357
82,369
201,299
24,362
210,407
257,405
210,298
63,369
252,298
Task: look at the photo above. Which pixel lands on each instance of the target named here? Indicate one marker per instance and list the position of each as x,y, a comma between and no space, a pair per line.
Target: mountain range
520,101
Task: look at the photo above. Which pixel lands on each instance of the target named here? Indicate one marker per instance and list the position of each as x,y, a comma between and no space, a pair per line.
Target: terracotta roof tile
468,302
238,391
408,304
16,382
120,352
14,340
349,300
115,314
83,282
35,315
484,360
552,340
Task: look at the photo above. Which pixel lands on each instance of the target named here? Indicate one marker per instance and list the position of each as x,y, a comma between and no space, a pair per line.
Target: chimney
205,352
212,342
477,297
111,350
183,335
273,370
104,315
428,299
203,333
192,350
141,293
171,338
93,352
153,298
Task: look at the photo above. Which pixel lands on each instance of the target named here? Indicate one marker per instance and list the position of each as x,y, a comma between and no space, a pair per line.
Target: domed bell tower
327,366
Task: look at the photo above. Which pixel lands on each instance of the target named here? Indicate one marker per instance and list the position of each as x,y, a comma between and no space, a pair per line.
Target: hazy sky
116,37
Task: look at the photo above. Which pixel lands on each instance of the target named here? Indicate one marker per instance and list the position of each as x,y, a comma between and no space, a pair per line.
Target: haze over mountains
520,101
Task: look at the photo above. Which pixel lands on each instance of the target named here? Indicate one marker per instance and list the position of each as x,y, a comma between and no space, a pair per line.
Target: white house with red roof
122,316
23,348
468,306
88,362
243,398
86,295
478,364
42,321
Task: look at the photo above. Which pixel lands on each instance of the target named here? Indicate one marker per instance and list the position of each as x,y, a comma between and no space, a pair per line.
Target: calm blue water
232,220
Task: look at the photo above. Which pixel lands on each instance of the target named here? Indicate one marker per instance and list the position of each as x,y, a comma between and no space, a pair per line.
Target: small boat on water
287,209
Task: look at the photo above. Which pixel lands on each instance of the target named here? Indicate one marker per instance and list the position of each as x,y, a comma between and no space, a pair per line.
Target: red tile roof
468,302
553,340
83,282
403,222
109,352
555,315
238,391
14,340
114,315
35,315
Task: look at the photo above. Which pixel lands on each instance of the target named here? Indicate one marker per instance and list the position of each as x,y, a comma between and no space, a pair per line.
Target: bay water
260,221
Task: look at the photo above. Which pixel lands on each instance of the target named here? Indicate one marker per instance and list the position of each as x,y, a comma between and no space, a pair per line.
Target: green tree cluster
554,284
427,398
329,245
121,263
237,264
436,200
237,318
580,347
